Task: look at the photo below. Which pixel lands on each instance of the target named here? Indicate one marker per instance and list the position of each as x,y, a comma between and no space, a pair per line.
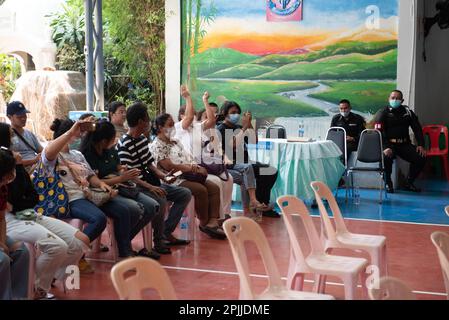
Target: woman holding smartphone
98,148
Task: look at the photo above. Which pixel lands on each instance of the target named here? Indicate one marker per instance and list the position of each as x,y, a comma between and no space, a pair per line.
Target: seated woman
170,155
60,245
199,140
234,146
76,174
14,257
98,148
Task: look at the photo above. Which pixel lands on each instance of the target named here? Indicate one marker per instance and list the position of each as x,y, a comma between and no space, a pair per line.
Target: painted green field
260,97
243,71
214,60
341,48
367,97
351,66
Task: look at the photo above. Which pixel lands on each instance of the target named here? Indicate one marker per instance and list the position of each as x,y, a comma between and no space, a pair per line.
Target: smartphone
177,174
87,127
174,175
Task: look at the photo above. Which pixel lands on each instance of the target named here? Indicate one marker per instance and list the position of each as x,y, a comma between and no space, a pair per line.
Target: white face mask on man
345,113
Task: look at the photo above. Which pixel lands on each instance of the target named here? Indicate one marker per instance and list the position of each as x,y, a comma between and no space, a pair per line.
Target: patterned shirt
173,151
73,161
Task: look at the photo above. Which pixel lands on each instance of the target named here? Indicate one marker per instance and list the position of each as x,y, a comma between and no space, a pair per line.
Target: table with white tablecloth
298,164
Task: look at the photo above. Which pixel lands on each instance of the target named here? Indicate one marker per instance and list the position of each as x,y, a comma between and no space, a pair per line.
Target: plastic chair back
148,275
447,210
370,148
276,132
441,241
238,231
338,136
391,289
434,133
291,206
322,191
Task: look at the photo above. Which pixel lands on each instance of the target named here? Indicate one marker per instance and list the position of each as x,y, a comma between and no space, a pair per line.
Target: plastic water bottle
301,130
262,133
356,196
184,227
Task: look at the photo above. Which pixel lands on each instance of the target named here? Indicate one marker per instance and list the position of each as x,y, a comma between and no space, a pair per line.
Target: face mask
345,114
234,118
75,144
395,103
170,133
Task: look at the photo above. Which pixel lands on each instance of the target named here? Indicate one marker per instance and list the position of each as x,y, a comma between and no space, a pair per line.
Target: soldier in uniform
394,122
352,123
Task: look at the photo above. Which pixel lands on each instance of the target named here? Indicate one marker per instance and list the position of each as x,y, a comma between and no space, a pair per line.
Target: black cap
16,108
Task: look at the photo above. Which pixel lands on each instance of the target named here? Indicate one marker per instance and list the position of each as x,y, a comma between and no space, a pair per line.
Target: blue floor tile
426,207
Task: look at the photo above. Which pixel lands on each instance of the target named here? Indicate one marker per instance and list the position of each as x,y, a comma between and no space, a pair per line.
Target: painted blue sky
317,13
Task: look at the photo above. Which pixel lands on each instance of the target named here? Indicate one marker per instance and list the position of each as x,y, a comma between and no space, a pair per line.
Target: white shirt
191,139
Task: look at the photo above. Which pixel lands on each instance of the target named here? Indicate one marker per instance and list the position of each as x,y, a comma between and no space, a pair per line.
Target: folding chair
370,150
276,132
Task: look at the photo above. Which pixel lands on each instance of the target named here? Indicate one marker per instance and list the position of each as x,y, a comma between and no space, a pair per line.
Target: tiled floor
205,269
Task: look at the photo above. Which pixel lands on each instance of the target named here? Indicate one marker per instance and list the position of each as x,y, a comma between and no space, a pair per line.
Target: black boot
409,186
389,187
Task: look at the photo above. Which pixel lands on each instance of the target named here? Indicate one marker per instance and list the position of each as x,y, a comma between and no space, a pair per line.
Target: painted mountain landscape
342,49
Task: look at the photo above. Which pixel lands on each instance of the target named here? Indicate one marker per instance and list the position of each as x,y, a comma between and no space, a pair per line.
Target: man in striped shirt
134,152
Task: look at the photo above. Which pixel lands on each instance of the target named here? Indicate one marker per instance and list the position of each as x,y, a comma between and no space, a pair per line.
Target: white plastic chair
391,289
317,262
447,210
148,275
441,241
340,237
241,229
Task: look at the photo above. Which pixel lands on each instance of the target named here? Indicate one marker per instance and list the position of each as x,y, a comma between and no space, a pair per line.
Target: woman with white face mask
257,183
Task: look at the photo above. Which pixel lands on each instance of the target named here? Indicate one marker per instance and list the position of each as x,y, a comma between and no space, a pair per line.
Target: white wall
432,77
25,27
173,55
408,13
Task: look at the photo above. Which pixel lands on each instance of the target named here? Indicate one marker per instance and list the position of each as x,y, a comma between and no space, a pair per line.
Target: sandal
172,241
214,232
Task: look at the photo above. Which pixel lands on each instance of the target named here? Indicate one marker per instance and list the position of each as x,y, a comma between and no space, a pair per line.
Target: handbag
125,189
194,177
95,195
53,198
128,190
215,166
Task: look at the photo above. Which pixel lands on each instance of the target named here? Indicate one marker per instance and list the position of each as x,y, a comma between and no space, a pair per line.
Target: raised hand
206,96
185,93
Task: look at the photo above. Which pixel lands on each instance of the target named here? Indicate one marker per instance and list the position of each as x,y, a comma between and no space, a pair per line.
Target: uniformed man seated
352,123
394,122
